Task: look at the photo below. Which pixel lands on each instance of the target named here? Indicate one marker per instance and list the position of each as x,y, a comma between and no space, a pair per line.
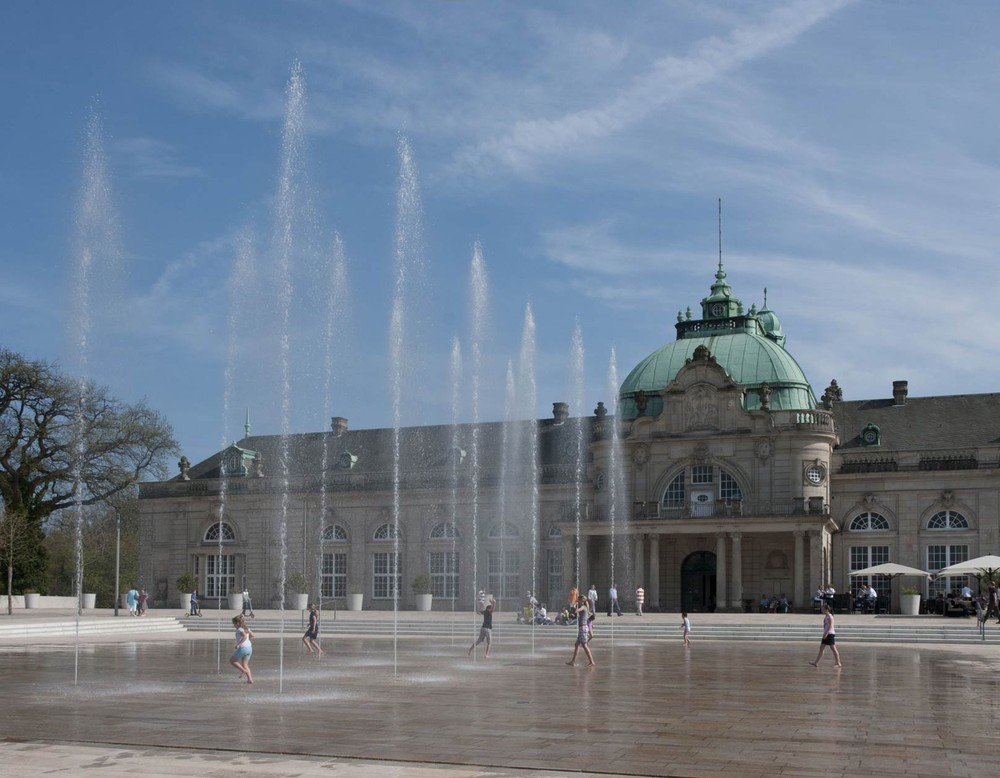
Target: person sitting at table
872,598
966,592
819,597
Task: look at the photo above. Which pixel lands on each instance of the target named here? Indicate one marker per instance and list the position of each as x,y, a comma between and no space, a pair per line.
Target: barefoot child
686,628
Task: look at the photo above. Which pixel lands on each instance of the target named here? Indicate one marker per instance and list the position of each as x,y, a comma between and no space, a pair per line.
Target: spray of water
576,373
615,476
337,306
528,398
408,258
508,459
480,315
292,153
455,380
97,248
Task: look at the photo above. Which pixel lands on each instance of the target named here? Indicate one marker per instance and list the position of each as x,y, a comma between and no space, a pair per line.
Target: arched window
673,497
504,530
444,530
386,532
869,522
334,533
728,488
220,530
948,520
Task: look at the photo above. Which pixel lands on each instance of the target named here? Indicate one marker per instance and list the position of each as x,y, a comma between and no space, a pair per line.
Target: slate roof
962,421
420,448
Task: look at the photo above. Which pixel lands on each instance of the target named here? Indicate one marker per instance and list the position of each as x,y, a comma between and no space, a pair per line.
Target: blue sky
853,146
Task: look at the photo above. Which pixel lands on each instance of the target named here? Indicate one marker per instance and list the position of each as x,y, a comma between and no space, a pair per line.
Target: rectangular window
554,569
943,556
503,574
444,574
386,575
869,556
220,575
701,474
334,577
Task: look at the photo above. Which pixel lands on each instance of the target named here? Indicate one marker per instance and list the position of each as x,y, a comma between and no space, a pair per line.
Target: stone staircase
878,630
66,627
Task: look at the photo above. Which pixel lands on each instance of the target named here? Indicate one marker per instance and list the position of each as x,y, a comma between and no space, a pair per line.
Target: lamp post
118,554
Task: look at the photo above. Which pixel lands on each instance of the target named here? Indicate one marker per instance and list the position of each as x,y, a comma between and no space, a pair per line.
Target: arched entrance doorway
698,582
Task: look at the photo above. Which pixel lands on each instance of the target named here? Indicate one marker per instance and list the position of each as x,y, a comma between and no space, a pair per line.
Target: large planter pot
424,602
909,604
298,601
32,599
236,601
355,601
184,599
89,600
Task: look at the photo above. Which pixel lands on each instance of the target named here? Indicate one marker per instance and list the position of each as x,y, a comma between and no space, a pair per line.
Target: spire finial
246,424
765,297
720,234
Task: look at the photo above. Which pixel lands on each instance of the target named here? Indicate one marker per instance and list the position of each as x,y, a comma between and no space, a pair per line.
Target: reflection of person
582,633
485,631
312,631
829,638
244,649
686,628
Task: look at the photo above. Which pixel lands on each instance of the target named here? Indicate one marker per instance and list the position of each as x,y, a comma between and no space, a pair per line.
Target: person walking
640,598
993,603
592,598
132,601
311,638
247,604
613,600
686,629
485,631
829,638
142,602
244,649
582,633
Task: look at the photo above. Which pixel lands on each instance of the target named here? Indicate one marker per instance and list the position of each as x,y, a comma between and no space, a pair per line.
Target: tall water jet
576,380
292,153
241,280
615,476
407,259
528,399
479,313
97,248
508,459
337,304
455,463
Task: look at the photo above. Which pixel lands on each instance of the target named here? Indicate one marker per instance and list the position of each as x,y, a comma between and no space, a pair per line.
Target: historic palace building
719,477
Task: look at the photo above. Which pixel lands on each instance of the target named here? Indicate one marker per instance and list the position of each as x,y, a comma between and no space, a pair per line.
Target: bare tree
14,529
63,442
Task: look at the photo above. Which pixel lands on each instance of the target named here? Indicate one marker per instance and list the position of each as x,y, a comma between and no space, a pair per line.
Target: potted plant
298,587
186,583
909,601
422,589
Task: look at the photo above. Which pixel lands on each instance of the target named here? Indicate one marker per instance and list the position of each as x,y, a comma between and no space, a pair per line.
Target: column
800,597
640,572
721,600
737,587
653,590
816,571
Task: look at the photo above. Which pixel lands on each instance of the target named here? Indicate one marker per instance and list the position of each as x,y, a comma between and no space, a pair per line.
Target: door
698,582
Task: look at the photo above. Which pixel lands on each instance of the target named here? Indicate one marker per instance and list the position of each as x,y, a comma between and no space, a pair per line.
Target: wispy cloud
669,78
149,157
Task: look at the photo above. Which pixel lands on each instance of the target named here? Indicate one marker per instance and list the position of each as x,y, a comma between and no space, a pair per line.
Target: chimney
899,392
339,425
560,412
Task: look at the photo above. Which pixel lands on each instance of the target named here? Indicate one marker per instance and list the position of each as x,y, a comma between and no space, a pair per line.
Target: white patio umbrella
988,565
891,570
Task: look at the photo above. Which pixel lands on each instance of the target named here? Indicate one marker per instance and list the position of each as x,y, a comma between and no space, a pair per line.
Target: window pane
386,575
334,575
444,574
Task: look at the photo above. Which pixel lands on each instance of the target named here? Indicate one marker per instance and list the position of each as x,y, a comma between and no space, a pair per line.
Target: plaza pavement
169,704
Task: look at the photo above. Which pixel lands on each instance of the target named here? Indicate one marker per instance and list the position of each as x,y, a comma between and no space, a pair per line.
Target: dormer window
871,435
347,460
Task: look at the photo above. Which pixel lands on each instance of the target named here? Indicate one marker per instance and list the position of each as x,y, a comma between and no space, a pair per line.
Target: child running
244,649
582,633
686,629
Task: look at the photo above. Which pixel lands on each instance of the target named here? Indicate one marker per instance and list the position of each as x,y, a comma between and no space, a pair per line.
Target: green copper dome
750,348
